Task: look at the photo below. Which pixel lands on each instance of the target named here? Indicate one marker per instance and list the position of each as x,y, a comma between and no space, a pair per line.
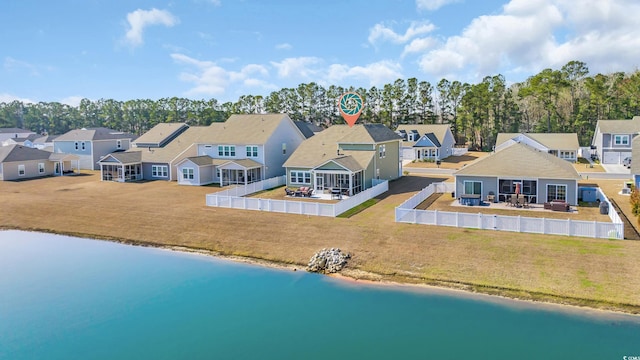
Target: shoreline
352,276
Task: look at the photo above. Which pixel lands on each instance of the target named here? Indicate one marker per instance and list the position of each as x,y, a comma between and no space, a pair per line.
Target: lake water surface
71,298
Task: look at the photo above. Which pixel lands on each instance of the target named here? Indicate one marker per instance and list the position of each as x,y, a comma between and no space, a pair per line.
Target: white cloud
139,19
375,74
301,67
432,5
211,79
7,98
530,35
381,32
284,46
419,45
72,100
12,64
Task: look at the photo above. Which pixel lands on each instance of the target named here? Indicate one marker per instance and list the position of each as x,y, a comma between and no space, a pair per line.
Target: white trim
41,168
546,198
621,137
464,186
21,168
189,175
298,173
161,171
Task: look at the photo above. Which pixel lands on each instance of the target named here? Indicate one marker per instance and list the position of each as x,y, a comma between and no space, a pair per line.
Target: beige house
345,158
563,145
19,162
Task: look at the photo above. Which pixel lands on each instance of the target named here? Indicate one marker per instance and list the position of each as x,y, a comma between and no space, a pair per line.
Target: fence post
569,224
495,222
435,217
595,229
244,203
544,225
519,223
317,209
479,220
415,216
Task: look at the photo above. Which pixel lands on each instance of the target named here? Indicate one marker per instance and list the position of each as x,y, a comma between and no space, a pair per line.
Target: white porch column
350,184
245,176
101,174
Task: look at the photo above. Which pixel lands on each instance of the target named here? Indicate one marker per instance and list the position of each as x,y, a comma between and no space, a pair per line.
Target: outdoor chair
289,192
514,201
308,192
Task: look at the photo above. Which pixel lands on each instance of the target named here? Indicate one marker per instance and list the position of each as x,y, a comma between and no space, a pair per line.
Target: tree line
560,100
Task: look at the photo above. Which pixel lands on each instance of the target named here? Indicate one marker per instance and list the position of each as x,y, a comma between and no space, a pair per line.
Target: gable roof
160,134
553,141
439,130
90,134
619,126
521,160
42,139
125,157
178,145
428,140
323,146
249,129
16,152
305,128
14,131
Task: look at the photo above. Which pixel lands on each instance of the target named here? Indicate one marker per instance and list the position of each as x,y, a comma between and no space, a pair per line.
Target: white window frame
296,175
41,168
252,151
382,151
21,170
119,144
621,139
161,171
464,186
556,191
226,150
567,154
187,173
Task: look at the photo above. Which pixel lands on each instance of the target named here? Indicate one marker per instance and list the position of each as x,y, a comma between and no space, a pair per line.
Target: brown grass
581,271
452,162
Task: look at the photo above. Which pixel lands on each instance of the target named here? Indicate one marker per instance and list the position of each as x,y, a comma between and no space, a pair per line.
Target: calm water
69,298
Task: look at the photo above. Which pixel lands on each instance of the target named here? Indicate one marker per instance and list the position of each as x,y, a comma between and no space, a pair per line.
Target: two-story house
12,133
244,149
612,139
92,144
426,142
563,145
345,158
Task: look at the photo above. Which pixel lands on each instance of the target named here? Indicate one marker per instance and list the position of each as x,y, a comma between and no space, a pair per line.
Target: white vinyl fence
407,213
234,198
459,151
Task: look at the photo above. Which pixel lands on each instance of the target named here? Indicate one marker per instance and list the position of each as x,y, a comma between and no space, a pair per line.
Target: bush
635,201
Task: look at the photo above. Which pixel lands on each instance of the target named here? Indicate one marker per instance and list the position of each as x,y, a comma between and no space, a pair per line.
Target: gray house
244,149
21,162
429,142
541,177
612,139
346,159
11,133
92,144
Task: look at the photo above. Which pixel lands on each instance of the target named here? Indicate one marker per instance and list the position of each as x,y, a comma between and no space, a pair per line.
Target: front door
57,169
120,177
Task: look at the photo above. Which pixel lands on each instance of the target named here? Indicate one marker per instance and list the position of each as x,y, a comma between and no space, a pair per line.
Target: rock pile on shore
328,261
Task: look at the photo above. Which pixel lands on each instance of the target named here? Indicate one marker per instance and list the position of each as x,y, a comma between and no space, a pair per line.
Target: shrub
635,201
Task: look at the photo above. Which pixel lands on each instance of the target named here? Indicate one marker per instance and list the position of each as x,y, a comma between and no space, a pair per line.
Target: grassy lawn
582,271
583,165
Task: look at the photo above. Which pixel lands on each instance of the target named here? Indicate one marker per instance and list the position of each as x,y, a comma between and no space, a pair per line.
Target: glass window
83,146
76,145
621,139
40,168
300,177
382,151
556,192
473,188
20,170
187,173
159,171
252,151
119,144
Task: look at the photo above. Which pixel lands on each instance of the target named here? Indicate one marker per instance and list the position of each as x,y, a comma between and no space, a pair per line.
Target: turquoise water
70,298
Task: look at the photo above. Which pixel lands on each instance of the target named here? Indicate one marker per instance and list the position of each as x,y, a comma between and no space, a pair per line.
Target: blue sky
67,50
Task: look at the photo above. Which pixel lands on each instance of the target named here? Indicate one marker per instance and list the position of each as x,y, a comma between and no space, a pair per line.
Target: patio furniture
289,192
513,201
491,197
557,205
307,192
336,193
